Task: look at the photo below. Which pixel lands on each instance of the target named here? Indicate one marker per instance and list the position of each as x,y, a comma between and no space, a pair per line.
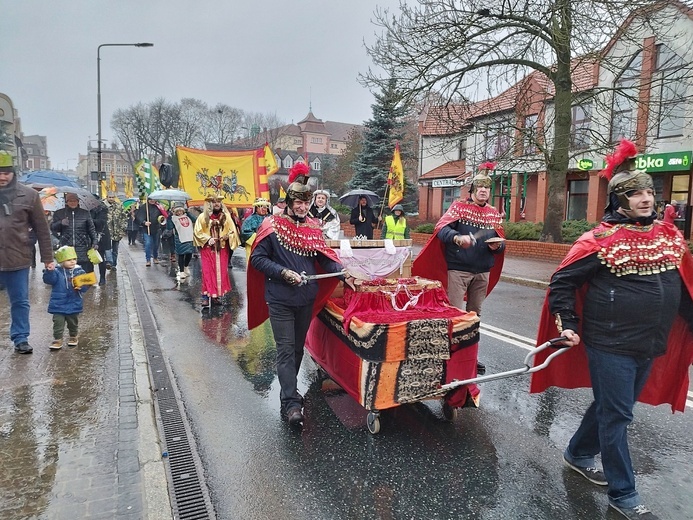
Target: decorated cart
396,339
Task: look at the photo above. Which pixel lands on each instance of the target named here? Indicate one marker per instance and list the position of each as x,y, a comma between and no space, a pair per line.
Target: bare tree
130,127
223,124
455,51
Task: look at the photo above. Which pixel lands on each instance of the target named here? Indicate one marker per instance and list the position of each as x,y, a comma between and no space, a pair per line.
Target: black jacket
154,213
100,217
75,228
364,228
270,257
476,259
629,315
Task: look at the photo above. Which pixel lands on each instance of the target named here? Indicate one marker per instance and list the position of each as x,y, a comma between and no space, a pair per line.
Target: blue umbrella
48,178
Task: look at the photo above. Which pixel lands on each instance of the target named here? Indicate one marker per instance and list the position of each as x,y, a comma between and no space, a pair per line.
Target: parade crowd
625,351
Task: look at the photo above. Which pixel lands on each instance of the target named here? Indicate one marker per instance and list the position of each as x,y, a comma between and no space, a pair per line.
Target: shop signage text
445,183
664,162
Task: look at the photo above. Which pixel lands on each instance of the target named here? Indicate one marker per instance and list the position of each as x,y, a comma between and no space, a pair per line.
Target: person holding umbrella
75,227
363,218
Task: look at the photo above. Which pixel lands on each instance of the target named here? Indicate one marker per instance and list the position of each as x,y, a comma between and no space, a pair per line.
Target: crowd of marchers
624,350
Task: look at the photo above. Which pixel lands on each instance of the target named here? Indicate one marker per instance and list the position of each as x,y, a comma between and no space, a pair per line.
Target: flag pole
382,205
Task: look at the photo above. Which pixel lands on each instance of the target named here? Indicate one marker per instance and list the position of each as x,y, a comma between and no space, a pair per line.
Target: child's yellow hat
65,253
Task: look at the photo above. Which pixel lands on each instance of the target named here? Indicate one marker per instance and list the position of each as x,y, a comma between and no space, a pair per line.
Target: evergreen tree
380,135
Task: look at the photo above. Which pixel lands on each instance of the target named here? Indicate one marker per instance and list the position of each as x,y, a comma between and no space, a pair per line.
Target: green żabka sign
664,162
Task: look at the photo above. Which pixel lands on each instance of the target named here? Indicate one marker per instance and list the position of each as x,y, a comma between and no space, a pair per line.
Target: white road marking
529,344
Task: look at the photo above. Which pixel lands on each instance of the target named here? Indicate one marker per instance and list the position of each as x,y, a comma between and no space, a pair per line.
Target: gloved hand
291,277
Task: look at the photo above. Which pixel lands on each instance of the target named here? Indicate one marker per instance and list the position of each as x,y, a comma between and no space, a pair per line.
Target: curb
536,284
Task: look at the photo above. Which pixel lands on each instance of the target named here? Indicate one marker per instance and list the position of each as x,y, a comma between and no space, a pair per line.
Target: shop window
580,126
577,200
669,76
625,109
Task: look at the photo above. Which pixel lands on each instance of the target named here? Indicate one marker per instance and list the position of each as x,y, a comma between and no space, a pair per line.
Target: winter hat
65,253
6,163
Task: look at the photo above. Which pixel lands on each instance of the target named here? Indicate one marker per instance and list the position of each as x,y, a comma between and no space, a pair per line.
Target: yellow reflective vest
395,230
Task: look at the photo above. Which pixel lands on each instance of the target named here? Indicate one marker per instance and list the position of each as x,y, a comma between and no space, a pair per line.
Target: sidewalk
529,272
77,431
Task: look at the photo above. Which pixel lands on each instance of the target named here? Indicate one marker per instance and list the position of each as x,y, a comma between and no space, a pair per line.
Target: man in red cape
466,251
626,287
287,246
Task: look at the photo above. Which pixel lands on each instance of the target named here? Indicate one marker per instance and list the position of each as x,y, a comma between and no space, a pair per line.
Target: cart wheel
373,422
449,413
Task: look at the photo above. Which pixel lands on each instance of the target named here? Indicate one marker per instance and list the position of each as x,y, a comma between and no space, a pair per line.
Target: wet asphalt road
500,461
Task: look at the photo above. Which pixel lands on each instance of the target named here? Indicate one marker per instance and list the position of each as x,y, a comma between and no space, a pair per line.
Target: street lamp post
98,91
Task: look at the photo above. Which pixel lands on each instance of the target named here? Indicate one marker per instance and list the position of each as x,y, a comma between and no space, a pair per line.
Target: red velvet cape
430,262
257,306
668,381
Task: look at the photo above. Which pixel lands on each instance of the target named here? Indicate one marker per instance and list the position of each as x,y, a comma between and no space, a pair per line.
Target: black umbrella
351,198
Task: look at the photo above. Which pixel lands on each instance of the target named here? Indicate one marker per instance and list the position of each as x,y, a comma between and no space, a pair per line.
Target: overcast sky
268,56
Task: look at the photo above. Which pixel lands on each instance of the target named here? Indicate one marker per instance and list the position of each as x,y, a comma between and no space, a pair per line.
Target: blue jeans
151,246
617,381
114,251
17,284
289,326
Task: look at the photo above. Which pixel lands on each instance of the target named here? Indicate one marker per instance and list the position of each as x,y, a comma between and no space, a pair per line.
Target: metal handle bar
527,369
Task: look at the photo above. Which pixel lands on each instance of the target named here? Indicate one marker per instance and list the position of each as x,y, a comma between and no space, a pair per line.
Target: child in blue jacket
66,300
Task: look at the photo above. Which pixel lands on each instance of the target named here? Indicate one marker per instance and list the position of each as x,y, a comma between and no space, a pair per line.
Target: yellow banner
234,175
395,179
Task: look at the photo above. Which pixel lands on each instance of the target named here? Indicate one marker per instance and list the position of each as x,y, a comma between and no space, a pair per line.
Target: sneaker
148,264
56,344
114,268
23,348
182,274
635,513
594,475
73,341
295,417
109,266
156,260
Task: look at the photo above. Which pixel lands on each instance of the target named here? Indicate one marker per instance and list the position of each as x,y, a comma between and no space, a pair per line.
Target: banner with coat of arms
239,176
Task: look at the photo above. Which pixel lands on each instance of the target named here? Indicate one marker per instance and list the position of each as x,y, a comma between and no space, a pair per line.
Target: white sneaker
182,274
187,271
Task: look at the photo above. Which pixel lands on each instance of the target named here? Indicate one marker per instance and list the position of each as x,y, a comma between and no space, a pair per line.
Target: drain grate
189,496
